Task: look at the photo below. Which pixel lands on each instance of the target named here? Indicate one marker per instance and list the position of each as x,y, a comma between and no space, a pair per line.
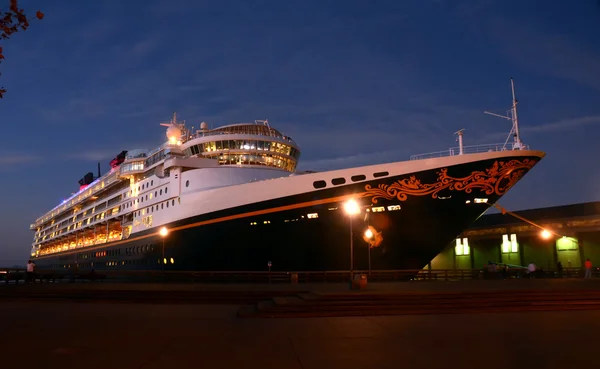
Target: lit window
481,201
509,245
462,247
567,244
312,215
393,207
378,209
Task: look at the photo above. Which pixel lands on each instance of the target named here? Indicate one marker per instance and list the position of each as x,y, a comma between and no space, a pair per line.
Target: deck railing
16,275
473,149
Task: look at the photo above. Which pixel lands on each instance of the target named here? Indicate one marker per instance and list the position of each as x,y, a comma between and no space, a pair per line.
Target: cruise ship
230,198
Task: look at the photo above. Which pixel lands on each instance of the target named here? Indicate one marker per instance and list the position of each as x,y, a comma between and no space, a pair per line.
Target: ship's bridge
253,144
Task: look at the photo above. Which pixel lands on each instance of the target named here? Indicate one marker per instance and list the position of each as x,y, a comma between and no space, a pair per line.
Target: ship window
338,181
160,191
380,174
152,183
187,183
360,177
167,204
166,189
155,193
319,184
161,206
173,202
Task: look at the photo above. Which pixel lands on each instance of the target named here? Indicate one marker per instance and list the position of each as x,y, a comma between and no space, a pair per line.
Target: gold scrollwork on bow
497,179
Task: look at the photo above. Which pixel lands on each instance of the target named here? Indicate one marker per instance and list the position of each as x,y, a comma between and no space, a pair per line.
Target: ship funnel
204,126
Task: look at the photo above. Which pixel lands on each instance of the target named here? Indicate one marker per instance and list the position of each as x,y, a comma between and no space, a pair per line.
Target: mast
512,116
515,120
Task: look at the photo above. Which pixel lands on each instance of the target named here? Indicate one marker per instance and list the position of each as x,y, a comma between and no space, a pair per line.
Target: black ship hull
413,217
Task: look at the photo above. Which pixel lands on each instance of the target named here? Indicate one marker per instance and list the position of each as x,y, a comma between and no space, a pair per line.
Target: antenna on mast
512,116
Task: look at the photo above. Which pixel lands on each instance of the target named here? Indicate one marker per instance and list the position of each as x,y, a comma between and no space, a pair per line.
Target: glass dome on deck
250,129
273,149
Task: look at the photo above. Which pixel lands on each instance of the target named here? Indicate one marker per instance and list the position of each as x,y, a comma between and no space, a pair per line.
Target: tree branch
12,21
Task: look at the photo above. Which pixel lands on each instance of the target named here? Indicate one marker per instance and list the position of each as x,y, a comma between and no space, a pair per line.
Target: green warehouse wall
571,251
590,245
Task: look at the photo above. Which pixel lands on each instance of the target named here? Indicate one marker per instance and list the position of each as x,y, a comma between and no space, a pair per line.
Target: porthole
360,177
338,181
187,183
172,202
319,184
155,193
152,183
380,174
160,191
166,189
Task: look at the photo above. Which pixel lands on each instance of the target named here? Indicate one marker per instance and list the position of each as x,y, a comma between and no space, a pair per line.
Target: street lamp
369,236
163,233
546,234
351,208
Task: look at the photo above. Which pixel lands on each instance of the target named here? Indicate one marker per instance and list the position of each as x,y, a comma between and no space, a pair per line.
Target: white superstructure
130,197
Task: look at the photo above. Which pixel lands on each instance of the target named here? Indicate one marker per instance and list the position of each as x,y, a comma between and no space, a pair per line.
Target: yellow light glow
545,234
369,233
163,232
351,207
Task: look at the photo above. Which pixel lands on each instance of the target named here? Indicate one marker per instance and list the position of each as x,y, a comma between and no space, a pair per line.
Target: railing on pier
16,275
466,150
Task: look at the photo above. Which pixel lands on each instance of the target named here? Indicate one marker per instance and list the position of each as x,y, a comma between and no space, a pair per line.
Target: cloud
567,124
104,154
564,124
9,160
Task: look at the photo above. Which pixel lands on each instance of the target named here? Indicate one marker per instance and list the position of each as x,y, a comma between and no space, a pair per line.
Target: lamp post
369,236
163,233
351,208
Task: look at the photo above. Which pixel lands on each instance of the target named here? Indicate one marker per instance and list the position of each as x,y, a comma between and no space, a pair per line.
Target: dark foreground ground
40,333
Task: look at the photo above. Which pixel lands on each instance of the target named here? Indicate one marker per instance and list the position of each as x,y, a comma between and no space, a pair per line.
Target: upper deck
258,128
283,156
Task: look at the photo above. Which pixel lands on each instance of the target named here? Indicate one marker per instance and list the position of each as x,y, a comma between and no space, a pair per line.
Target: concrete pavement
103,335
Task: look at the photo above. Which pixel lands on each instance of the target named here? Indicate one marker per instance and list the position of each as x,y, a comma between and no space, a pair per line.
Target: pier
307,325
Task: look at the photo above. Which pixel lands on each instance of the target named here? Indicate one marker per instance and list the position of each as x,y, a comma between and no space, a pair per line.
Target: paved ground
89,336
117,335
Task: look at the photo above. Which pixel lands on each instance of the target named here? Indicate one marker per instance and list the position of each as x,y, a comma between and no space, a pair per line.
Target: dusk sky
352,82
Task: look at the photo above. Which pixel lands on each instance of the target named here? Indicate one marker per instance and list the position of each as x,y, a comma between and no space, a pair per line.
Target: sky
352,82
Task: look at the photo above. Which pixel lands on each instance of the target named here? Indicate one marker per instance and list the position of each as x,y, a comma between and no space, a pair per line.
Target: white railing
467,150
